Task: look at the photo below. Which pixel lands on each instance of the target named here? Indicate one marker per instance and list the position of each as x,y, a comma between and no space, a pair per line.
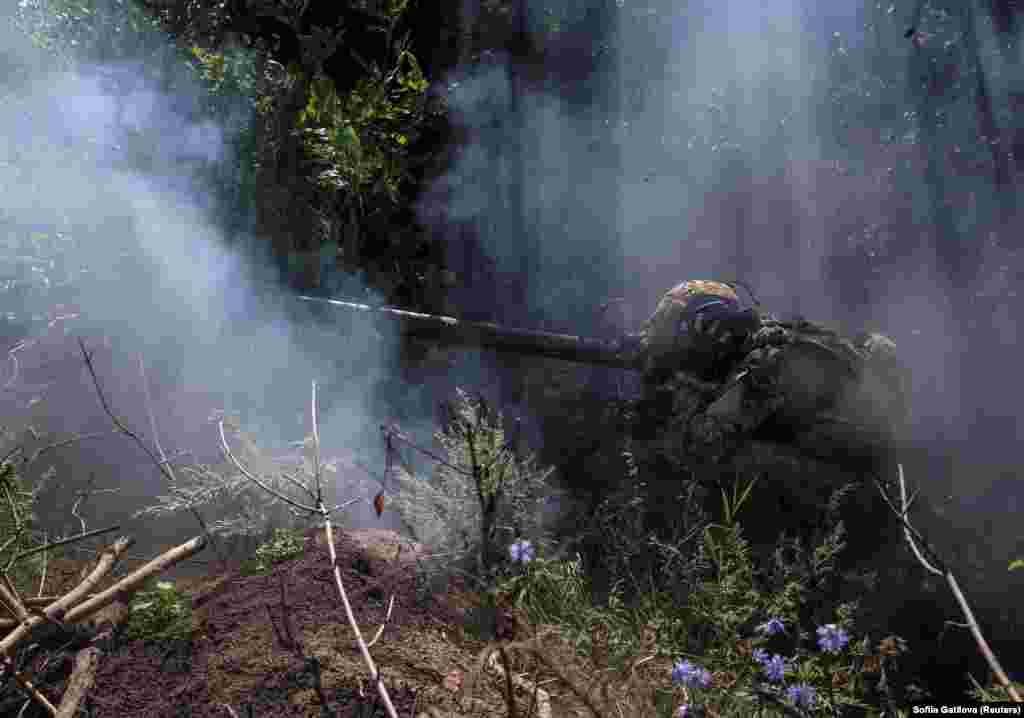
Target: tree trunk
988,129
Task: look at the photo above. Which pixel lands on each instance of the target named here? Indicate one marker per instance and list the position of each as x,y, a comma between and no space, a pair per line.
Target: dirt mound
238,656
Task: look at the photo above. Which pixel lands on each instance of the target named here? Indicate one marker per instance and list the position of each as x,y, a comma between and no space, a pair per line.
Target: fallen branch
495,659
133,581
82,678
59,609
74,611
26,685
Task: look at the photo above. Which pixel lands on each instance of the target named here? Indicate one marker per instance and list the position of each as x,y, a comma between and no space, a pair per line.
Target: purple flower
760,655
682,711
831,638
775,668
771,627
521,551
691,675
802,695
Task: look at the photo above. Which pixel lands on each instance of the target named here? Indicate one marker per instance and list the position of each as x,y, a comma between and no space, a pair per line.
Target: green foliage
994,693
72,31
723,624
160,613
484,488
363,135
549,591
285,545
227,77
16,518
619,530
722,606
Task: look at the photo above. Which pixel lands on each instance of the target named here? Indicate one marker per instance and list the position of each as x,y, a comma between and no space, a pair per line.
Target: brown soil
237,659
239,663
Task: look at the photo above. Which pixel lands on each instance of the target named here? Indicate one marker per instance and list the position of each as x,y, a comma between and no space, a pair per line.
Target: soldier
752,367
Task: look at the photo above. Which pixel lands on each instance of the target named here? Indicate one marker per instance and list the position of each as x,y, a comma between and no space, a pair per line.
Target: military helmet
697,323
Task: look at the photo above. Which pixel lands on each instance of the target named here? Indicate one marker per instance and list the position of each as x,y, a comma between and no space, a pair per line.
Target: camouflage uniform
722,372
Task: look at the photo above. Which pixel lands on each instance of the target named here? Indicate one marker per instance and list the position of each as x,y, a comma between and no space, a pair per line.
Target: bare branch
152,421
387,618
14,369
972,623
72,539
295,482
316,449
42,572
320,510
249,475
343,505
162,466
907,528
401,437
50,447
363,648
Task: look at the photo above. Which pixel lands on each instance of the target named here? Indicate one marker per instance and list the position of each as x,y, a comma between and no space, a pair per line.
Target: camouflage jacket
730,371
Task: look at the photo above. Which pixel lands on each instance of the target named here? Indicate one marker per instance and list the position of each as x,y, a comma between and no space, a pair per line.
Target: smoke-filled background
827,154
796,146
719,140
112,167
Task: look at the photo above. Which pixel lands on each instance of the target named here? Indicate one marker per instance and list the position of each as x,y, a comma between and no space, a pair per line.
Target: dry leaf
724,679
872,664
378,503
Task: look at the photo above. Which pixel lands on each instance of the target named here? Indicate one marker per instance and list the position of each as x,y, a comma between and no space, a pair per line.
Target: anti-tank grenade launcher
730,374
621,354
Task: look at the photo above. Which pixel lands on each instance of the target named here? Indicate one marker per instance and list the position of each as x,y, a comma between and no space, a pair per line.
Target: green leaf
345,137
1018,563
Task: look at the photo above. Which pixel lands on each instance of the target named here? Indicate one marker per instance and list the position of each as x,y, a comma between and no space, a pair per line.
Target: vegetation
160,612
627,618
481,491
284,546
17,535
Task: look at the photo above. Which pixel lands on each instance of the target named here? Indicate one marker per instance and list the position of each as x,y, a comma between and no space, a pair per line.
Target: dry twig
913,536
318,508
163,466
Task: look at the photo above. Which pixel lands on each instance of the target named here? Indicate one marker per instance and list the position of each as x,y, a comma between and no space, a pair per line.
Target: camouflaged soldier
752,367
